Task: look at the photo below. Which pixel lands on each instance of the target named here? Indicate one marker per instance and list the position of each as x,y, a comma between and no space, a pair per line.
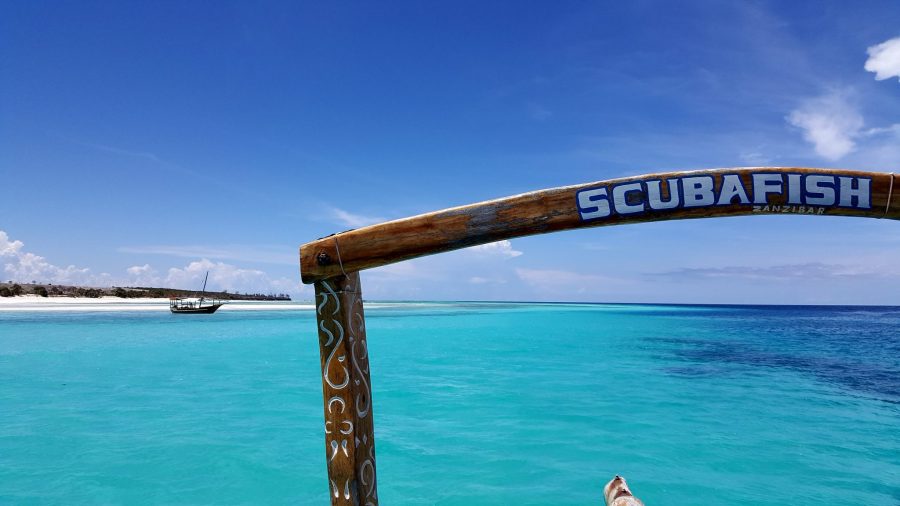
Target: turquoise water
474,404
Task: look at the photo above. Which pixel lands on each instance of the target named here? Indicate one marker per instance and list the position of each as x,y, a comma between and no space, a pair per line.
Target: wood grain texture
557,209
347,392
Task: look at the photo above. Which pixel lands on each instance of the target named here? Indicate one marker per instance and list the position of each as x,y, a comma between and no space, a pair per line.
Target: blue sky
148,142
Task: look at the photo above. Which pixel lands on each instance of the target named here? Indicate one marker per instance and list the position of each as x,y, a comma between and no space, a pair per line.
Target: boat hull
196,310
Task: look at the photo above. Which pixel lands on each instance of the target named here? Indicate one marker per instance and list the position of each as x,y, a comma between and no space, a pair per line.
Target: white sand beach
36,303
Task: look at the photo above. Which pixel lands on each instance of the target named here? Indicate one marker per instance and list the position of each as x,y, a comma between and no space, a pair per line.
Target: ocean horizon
474,403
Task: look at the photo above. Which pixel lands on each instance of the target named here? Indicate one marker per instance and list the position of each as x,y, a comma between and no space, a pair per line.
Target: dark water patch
699,371
675,341
388,313
853,347
844,371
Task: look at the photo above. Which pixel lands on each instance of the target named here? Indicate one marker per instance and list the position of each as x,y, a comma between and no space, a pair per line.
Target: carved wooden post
347,391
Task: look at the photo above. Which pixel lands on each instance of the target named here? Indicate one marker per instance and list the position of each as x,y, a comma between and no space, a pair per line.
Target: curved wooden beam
652,197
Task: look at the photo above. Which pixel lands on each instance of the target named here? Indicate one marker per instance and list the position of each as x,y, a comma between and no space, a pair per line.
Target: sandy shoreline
36,303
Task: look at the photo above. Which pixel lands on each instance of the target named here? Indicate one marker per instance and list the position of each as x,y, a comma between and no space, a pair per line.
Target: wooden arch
333,264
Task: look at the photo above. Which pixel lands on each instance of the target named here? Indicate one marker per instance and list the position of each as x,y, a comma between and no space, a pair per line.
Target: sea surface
475,403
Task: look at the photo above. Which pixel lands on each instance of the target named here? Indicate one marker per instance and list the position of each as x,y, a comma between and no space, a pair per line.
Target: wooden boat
195,305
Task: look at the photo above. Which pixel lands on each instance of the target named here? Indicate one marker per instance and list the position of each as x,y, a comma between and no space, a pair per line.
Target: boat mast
203,291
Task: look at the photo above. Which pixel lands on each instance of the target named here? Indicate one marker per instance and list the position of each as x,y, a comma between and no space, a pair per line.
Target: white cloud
785,273
273,254
142,275
893,129
450,266
544,277
566,285
9,248
830,123
834,126
124,152
756,158
139,270
499,248
884,59
450,274
428,268
22,266
19,265
484,280
349,219
224,276
539,112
